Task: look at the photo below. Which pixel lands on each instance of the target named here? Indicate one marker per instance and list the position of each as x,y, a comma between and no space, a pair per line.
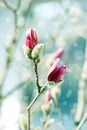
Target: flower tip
56,73
30,30
27,32
31,38
63,69
58,53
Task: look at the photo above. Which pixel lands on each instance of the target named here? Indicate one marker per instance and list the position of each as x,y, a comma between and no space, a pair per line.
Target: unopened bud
50,61
55,92
31,38
36,51
47,109
27,52
48,123
53,56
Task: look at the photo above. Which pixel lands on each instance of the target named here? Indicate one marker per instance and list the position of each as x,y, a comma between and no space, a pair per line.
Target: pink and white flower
31,39
56,73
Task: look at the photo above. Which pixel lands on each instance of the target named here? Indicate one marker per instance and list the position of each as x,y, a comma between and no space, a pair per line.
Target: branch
7,5
37,77
82,122
81,91
14,89
32,103
10,48
36,97
18,4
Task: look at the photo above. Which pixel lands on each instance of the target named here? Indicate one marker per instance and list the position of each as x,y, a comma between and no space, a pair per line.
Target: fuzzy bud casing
48,123
36,51
27,52
47,108
55,92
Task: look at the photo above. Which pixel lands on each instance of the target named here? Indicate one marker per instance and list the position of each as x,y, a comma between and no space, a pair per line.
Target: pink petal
34,35
58,53
53,70
62,70
31,38
47,97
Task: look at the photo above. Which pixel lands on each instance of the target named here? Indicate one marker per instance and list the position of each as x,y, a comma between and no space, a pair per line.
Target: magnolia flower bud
36,51
56,73
57,54
48,123
23,122
47,108
55,92
50,61
27,52
31,38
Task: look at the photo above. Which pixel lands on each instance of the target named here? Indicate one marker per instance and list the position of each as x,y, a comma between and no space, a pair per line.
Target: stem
82,122
81,91
7,5
29,107
36,97
34,100
44,122
60,114
38,94
28,119
32,103
37,78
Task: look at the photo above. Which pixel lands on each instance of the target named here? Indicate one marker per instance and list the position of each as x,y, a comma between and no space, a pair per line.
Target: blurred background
60,24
